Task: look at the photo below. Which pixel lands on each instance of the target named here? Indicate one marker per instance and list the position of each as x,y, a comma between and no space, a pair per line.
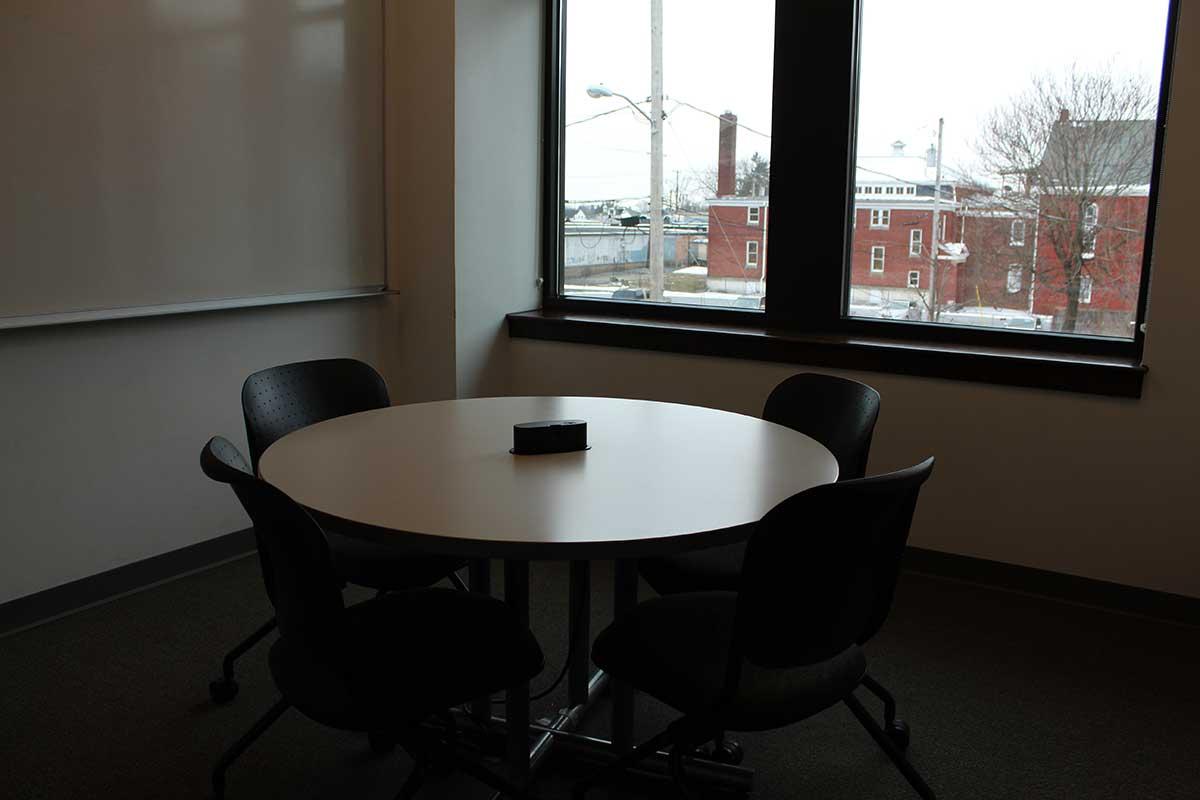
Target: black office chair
841,415
838,413
394,664
279,400
786,646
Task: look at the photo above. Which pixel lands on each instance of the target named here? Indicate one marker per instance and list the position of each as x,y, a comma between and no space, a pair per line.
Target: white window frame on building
1085,289
878,252
881,217
914,279
752,254
916,238
1015,239
753,215
1091,217
1015,279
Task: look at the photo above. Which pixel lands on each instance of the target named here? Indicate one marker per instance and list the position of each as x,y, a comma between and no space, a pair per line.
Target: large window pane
1031,212
668,117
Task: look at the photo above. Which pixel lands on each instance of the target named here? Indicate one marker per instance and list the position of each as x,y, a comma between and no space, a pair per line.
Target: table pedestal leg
625,592
479,579
578,638
516,711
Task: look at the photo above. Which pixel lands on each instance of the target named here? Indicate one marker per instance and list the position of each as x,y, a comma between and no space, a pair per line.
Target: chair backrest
293,554
837,412
279,400
807,597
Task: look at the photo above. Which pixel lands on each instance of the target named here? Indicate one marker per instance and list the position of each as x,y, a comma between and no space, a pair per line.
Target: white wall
497,180
103,425
1091,486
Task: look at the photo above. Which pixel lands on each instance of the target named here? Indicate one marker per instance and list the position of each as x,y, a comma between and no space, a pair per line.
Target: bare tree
1079,145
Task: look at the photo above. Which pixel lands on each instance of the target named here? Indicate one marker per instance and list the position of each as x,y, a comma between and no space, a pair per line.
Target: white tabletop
438,477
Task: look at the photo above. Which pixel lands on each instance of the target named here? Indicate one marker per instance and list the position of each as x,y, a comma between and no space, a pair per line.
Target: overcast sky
922,59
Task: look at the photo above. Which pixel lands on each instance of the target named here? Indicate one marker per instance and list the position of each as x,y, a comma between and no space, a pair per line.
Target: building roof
1093,154
895,169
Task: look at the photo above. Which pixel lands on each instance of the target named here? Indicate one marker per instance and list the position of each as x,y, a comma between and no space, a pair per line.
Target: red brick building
894,210
1077,233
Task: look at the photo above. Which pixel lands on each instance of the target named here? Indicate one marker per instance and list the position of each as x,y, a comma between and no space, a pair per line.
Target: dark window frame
808,297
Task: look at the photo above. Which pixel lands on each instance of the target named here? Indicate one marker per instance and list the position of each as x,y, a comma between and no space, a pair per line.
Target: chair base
225,688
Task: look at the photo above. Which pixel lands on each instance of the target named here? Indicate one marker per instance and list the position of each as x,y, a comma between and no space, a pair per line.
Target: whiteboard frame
172,309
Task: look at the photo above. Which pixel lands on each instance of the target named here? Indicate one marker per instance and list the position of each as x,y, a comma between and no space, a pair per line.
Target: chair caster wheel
381,743
222,691
724,752
897,730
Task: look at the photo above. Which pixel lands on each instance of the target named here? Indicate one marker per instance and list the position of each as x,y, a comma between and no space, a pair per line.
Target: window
914,241
1013,284
1085,289
706,126
1016,234
752,215
751,254
914,279
1091,220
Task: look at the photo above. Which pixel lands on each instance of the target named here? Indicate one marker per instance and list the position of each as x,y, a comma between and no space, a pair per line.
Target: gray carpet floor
1008,696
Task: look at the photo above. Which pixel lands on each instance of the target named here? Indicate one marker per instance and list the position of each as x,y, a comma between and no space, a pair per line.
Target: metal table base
529,743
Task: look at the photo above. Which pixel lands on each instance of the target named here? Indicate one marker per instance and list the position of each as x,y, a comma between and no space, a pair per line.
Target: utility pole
933,239
656,151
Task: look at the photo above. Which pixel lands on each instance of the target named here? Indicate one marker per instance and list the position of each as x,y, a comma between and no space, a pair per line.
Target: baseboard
34,609
1056,585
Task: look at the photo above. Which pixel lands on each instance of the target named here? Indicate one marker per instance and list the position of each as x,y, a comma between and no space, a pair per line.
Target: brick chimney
727,156
1064,115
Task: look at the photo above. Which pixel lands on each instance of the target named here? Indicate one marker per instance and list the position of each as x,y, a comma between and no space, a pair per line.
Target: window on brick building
877,254
1085,289
881,218
1016,234
752,215
914,279
751,254
914,241
1013,283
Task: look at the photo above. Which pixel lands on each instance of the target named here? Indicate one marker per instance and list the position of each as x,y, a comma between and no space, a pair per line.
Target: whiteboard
160,152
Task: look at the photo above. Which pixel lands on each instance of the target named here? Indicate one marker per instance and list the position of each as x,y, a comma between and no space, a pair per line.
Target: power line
596,116
718,117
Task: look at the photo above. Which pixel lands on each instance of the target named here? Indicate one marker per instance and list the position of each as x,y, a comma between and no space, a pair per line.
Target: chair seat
676,648
713,569
398,658
378,566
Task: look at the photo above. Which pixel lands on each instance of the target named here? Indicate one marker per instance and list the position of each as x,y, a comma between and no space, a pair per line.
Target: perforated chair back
279,400
837,412
297,571
805,599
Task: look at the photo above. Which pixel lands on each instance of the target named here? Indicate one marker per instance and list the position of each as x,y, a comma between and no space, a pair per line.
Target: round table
438,477
659,477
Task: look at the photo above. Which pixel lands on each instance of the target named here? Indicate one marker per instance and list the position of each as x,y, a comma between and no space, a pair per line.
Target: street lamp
655,118
597,91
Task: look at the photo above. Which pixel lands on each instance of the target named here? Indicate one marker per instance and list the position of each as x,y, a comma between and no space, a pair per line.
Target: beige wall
103,425
1090,486
419,158
497,180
